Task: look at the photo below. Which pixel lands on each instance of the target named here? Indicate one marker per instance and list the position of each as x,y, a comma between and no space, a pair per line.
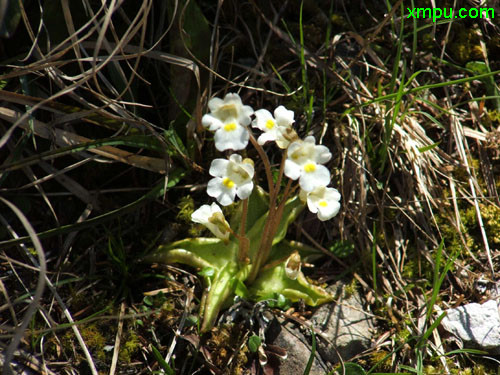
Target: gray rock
298,352
478,326
347,326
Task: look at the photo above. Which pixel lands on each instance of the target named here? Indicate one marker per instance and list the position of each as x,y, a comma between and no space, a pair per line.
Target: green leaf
429,147
480,67
253,343
290,212
275,281
258,204
220,292
241,290
164,365
196,252
353,369
313,353
207,272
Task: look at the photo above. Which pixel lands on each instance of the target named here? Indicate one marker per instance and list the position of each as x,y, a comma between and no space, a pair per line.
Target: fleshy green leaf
253,343
275,281
196,252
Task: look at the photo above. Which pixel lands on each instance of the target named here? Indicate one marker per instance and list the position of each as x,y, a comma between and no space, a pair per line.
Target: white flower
231,177
213,218
304,163
323,200
228,118
277,128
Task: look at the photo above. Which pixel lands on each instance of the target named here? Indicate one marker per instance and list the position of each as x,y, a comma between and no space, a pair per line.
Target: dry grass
101,148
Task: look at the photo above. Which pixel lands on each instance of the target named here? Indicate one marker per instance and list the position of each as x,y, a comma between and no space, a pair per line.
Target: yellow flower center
230,127
227,182
269,124
309,167
323,203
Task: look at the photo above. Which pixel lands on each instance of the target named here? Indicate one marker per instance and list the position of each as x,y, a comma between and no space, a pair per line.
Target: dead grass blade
65,138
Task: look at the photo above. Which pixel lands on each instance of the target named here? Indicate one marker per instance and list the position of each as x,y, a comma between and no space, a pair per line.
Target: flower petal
202,214
236,139
292,170
210,122
266,137
311,180
261,118
283,116
214,104
323,154
329,211
217,189
243,191
218,167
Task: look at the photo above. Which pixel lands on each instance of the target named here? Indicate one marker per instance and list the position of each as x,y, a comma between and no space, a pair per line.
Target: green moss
351,288
465,45
339,21
130,348
94,337
186,208
381,358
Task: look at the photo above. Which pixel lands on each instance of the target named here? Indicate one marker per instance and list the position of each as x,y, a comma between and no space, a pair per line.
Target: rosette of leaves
225,275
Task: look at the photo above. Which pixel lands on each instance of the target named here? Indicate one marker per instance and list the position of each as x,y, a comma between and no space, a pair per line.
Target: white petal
214,104
218,167
261,117
266,137
326,213
246,112
322,175
202,214
312,205
235,158
214,187
310,139
248,167
211,122
292,170
232,97
281,141
226,197
236,139
219,191
283,116
294,146
332,194
310,181
322,154
215,208
245,190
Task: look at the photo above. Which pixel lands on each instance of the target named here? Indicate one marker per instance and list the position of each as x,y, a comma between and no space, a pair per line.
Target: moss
130,348
186,208
351,288
339,21
223,343
465,46
382,359
93,336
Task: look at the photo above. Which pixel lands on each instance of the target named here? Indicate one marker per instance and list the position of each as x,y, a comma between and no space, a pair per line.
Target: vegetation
103,159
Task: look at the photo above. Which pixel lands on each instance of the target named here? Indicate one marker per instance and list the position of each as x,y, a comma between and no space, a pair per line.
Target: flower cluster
229,119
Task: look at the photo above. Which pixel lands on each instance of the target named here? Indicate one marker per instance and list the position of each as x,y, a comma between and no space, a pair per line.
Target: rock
298,352
347,326
478,326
